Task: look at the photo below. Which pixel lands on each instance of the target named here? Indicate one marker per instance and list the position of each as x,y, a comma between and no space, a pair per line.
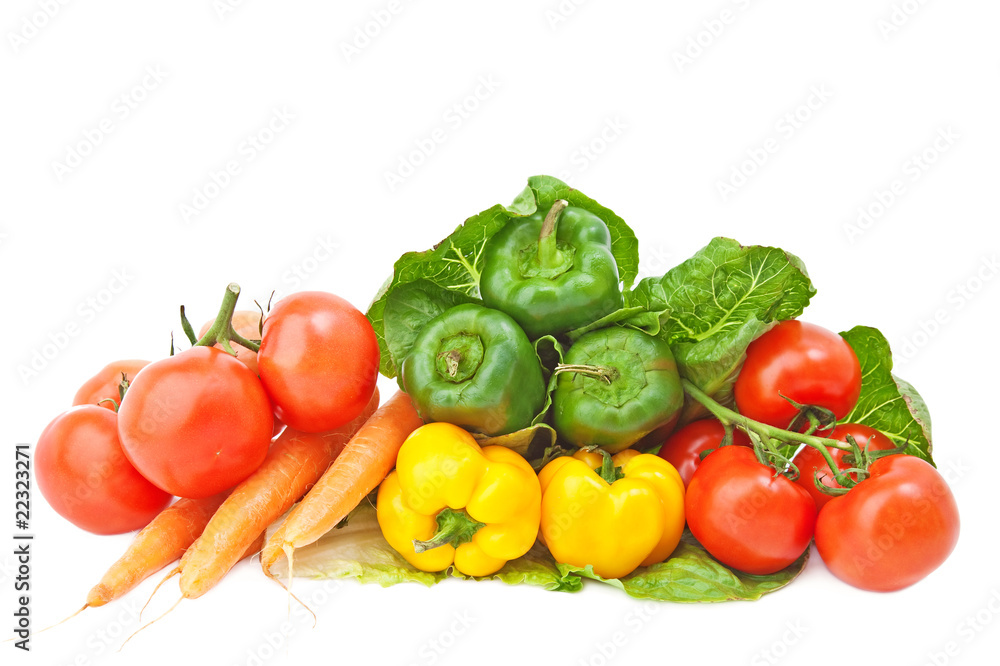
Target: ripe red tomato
892,529
683,448
105,383
809,460
318,360
84,475
746,517
196,423
247,324
804,362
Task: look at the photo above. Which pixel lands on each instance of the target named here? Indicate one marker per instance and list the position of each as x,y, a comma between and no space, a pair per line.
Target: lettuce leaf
887,403
358,551
691,575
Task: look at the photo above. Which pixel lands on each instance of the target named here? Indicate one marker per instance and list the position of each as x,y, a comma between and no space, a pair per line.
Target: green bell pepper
616,386
474,367
552,275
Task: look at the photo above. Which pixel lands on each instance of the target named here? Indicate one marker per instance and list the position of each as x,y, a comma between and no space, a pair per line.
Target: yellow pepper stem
607,470
454,527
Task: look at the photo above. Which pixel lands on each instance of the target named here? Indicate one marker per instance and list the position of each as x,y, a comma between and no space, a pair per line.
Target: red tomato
804,362
196,423
105,383
318,360
683,448
83,473
247,324
892,529
809,460
746,517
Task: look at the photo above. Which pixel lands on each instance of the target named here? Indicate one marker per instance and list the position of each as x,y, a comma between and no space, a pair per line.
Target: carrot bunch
330,472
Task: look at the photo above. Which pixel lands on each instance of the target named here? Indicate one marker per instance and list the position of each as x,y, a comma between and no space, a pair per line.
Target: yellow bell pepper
614,513
450,502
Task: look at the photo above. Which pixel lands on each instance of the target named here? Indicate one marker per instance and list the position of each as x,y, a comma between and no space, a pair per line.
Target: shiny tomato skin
809,460
744,516
84,475
802,361
105,383
892,529
247,324
683,448
196,423
318,360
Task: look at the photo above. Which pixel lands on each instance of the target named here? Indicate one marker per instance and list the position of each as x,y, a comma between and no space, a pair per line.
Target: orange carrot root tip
170,574
53,626
151,622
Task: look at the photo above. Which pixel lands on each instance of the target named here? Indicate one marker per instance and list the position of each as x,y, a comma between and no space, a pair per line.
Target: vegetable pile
683,438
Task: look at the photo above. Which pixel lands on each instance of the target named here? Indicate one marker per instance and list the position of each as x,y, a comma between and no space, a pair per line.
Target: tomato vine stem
768,433
222,332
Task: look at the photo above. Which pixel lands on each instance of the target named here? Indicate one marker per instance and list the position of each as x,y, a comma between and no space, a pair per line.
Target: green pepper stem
767,432
454,527
549,256
607,375
222,332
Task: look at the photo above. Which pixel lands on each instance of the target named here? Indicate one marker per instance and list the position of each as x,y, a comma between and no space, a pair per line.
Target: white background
596,94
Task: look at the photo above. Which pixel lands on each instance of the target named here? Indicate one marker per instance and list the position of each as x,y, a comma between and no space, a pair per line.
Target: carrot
364,463
158,544
294,463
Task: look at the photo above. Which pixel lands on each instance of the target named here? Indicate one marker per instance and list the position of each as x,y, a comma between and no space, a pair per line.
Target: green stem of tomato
221,332
766,432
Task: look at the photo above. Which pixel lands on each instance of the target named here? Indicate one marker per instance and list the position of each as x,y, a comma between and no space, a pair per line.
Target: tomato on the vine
744,515
103,386
84,475
196,423
318,360
684,447
804,362
810,461
892,529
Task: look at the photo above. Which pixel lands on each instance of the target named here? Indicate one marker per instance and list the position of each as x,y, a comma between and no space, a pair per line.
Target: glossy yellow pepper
614,513
450,502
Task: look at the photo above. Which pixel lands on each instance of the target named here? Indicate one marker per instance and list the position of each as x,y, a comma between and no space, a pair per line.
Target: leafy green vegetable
691,575
724,285
454,265
714,363
635,316
538,568
358,551
888,403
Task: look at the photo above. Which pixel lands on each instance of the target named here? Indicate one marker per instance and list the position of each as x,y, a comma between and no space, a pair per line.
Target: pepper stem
455,527
607,470
606,375
222,332
549,255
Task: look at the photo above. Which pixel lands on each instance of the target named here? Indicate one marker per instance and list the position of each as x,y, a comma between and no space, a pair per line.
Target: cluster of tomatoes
895,523
200,421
